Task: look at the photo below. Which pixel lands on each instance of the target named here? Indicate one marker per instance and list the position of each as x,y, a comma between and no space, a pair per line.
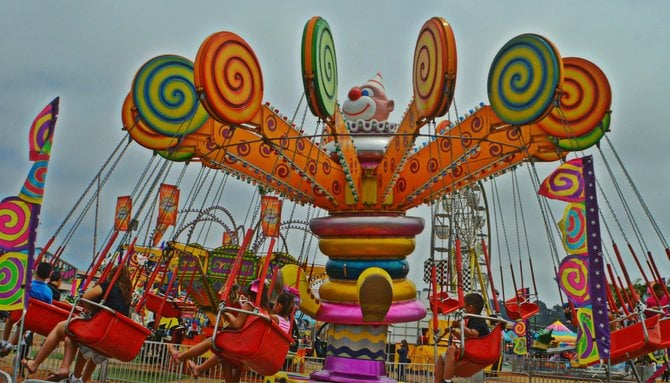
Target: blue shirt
40,290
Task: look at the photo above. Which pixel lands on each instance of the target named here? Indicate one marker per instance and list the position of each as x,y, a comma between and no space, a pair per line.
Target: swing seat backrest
41,317
629,342
153,303
480,352
109,333
664,325
520,310
445,303
260,344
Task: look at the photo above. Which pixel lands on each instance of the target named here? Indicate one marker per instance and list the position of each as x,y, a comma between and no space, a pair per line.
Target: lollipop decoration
165,96
573,228
14,224
228,72
434,73
319,67
140,132
587,140
524,78
585,99
12,278
573,279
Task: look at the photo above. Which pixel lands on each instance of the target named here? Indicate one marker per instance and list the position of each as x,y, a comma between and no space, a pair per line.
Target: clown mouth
367,106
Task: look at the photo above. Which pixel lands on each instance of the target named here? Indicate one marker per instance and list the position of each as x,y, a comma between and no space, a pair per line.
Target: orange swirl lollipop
228,72
585,99
434,73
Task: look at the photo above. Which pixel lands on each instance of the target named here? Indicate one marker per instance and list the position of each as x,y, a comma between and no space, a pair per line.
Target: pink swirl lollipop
227,70
14,224
434,74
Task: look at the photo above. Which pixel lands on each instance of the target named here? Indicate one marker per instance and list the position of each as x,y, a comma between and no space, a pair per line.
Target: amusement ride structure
366,171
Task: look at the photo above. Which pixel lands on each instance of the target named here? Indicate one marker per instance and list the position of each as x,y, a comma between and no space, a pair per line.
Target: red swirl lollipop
585,99
228,72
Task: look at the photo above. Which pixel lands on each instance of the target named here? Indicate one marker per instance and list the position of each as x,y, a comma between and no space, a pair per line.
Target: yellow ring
367,248
347,291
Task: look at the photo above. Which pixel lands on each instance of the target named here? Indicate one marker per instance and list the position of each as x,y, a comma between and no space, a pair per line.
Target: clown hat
377,82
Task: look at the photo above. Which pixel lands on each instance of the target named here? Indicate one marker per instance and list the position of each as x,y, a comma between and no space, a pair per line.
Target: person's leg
50,343
194,351
449,364
197,370
438,373
79,365
89,367
231,372
9,324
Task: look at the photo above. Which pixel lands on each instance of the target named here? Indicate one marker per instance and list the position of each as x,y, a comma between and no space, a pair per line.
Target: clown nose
354,94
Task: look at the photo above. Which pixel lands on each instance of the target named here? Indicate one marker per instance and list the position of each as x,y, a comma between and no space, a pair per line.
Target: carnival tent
561,333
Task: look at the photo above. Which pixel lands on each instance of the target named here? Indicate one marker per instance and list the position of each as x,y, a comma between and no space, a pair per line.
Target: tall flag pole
581,274
19,215
19,218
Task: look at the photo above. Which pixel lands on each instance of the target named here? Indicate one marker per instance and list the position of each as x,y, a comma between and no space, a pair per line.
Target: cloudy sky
88,52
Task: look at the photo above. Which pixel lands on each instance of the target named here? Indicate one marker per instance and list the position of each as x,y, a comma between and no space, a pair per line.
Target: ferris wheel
464,215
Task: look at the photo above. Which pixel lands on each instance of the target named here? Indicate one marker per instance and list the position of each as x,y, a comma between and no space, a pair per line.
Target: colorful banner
168,205
19,216
270,215
586,352
33,188
573,228
227,239
15,216
13,273
520,347
581,275
123,214
573,279
565,183
41,132
597,280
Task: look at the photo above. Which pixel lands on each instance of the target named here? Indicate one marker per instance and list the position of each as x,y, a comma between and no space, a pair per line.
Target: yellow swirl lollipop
228,72
585,98
434,73
165,96
523,79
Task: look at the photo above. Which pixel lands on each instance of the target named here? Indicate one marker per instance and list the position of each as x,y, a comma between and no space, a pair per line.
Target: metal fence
153,364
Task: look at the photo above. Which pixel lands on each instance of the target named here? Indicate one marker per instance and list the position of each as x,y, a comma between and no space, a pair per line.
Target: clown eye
367,92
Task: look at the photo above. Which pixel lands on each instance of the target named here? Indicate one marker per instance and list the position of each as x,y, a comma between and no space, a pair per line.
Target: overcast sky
88,52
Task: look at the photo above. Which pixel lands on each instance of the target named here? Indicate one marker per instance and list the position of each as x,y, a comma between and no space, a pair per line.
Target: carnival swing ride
367,173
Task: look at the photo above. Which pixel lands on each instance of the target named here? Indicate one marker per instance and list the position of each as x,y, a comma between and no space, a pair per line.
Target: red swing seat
479,353
109,333
41,317
630,341
153,303
664,324
444,303
518,309
260,344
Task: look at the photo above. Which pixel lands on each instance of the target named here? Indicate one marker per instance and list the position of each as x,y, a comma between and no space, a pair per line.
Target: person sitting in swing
87,359
447,364
279,313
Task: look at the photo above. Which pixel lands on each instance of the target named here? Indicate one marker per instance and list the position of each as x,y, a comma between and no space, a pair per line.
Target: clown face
368,102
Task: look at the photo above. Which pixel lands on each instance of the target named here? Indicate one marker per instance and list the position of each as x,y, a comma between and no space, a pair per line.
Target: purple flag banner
597,282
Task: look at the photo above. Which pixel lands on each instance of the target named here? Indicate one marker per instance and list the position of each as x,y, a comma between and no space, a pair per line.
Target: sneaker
5,349
74,379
